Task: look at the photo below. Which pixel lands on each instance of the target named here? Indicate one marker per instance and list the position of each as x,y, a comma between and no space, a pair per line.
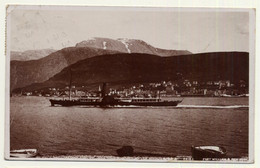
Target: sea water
57,131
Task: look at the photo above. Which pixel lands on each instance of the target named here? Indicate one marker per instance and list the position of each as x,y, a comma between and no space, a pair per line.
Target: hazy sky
197,31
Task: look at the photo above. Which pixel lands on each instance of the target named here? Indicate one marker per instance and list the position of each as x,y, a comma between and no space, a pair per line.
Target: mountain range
30,54
141,68
24,73
129,46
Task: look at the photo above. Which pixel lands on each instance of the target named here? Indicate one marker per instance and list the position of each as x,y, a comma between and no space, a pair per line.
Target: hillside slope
135,68
23,73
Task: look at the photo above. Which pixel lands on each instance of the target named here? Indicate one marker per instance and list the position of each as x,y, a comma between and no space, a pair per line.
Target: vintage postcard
130,84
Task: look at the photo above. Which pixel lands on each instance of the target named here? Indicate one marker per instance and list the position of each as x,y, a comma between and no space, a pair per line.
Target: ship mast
103,92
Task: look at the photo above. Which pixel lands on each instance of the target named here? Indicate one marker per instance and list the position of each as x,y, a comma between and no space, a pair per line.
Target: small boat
24,153
208,152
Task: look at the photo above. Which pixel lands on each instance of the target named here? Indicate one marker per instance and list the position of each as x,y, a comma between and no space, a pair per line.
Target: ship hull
72,103
172,103
111,104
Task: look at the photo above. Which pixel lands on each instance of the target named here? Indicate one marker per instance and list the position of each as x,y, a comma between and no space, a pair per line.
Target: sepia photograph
129,84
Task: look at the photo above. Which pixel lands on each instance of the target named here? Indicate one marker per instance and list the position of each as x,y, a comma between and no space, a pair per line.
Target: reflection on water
97,131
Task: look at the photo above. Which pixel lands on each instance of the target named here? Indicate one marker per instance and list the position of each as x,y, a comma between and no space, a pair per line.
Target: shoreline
99,158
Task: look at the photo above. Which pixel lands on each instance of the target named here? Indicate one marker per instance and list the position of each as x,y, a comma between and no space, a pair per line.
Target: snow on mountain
125,45
125,42
104,45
